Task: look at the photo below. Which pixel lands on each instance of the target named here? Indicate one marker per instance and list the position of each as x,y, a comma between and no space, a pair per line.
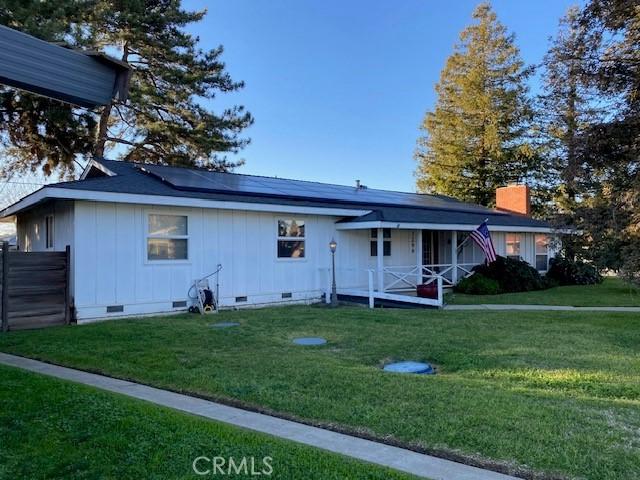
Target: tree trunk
103,124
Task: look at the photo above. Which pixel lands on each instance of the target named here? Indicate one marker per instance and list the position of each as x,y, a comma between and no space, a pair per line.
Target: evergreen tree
610,148
478,136
567,109
163,121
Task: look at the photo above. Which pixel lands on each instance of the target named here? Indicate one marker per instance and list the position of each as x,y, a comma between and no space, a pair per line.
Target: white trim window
49,226
386,244
167,237
512,248
542,253
291,238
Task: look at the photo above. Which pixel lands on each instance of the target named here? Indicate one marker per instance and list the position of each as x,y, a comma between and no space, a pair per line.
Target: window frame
303,239
535,250
49,231
147,236
518,241
387,240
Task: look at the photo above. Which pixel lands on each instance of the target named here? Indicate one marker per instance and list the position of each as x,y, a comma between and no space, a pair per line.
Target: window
542,253
513,245
290,238
386,242
167,237
48,232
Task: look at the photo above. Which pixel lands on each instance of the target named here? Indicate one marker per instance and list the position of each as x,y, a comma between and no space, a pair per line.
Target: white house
141,234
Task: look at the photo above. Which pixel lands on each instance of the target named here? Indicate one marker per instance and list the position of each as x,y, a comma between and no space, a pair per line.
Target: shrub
478,284
513,275
571,272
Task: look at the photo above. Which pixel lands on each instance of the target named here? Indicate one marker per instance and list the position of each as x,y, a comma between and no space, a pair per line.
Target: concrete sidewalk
563,308
393,457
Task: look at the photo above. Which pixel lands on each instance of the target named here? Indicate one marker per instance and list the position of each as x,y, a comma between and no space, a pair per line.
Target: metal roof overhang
87,79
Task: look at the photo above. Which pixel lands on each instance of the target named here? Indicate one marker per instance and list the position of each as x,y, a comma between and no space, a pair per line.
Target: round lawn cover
309,341
410,367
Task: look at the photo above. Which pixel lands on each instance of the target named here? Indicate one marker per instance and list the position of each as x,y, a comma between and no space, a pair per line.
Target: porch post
454,257
372,302
380,260
419,256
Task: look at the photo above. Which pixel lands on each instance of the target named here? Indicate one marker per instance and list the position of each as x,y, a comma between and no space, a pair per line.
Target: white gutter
112,197
441,226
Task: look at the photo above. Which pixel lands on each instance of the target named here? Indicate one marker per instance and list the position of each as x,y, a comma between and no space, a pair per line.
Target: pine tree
478,136
567,109
610,148
163,121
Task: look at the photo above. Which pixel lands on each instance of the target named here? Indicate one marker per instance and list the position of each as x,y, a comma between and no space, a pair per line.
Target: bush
571,272
513,275
478,284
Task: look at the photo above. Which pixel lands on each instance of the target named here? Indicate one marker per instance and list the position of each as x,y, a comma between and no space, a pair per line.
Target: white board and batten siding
31,227
112,268
354,259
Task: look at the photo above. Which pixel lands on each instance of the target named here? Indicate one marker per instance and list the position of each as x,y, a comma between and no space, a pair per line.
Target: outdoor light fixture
334,295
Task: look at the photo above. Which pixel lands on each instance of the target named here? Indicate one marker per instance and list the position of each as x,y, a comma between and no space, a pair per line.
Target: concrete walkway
368,451
563,308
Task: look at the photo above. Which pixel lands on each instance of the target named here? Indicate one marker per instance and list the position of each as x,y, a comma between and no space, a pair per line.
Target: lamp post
334,295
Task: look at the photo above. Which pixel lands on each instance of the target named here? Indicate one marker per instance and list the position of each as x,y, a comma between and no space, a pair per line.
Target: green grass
612,292
55,429
555,392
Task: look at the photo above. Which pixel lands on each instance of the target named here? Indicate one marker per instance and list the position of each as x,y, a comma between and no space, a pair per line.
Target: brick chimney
514,198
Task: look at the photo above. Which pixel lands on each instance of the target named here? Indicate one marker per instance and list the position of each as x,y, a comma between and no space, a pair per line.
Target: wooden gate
35,289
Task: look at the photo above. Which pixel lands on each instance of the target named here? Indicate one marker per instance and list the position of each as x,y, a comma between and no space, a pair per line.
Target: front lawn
612,292
554,392
55,429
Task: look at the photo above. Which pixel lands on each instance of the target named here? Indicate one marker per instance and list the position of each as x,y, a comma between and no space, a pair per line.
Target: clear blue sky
339,88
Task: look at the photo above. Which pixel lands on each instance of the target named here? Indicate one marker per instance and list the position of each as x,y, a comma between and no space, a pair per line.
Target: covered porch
385,264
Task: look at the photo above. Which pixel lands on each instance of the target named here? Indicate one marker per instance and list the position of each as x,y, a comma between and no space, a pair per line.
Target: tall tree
567,108
478,136
610,148
166,119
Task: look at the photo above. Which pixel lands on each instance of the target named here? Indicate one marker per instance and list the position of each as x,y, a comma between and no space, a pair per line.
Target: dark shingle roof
129,178
438,216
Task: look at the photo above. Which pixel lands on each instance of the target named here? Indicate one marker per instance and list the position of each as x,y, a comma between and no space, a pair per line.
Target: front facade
138,243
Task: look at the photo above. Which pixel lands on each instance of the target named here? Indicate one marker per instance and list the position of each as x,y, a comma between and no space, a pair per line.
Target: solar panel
206,181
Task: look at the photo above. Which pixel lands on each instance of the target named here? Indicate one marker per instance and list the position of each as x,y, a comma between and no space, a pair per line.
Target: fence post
371,298
5,286
327,295
439,280
67,290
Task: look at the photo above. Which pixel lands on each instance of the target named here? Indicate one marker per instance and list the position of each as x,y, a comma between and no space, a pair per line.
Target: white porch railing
411,276
437,302
396,282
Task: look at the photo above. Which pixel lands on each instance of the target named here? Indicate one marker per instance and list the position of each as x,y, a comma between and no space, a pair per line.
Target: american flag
482,237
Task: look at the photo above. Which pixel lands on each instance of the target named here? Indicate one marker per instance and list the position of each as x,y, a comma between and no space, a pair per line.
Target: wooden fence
35,289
